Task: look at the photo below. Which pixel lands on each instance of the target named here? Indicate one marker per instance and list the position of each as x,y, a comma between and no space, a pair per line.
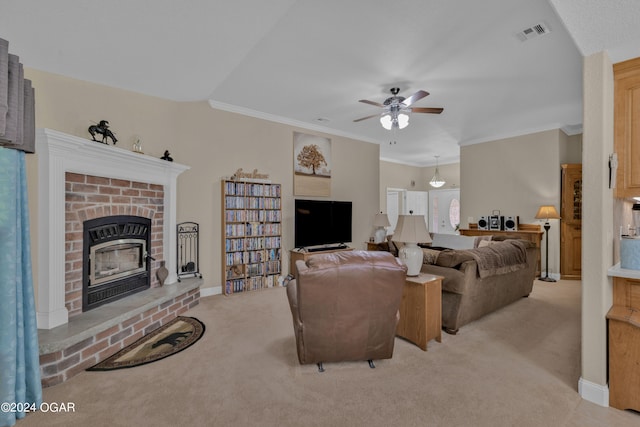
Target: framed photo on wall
311,165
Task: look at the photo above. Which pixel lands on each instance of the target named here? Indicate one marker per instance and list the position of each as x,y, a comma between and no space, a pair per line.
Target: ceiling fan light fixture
397,109
386,121
403,120
391,120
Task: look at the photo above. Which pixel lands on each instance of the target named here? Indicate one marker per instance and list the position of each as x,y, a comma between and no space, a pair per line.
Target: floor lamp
547,212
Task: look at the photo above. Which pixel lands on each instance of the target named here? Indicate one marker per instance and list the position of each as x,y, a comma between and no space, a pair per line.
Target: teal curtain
19,355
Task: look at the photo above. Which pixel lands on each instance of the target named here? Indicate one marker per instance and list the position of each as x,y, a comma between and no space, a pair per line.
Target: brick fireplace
91,198
81,179
79,182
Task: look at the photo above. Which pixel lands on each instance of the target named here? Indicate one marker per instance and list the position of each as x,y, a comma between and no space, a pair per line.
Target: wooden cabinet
530,232
627,127
624,344
421,310
571,222
251,226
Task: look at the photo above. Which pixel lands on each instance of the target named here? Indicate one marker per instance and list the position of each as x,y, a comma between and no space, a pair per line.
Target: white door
395,205
418,204
444,211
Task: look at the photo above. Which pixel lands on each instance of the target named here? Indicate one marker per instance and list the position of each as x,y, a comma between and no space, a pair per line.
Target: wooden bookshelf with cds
252,234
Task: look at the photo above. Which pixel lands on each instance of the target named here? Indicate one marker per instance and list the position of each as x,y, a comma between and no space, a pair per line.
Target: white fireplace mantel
59,153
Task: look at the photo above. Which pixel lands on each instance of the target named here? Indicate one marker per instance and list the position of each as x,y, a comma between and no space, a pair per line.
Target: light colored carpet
518,366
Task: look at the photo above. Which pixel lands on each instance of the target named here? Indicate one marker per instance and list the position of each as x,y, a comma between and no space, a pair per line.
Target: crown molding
286,121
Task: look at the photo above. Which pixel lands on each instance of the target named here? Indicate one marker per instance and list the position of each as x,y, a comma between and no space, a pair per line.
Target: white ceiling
308,62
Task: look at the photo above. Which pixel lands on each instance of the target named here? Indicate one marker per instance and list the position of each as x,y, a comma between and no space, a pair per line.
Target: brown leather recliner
345,306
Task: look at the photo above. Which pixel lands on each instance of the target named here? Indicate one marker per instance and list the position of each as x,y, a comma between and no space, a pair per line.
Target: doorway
441,208
444,211
404,202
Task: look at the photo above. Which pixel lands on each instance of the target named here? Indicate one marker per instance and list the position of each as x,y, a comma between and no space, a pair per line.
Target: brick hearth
92,336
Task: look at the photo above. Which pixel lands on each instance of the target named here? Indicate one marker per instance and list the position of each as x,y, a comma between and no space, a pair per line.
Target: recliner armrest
292,295
301,265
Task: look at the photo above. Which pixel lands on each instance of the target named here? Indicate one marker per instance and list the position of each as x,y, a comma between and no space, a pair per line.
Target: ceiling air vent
539,29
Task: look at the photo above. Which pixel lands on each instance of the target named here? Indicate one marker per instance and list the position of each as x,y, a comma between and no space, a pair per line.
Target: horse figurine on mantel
102,128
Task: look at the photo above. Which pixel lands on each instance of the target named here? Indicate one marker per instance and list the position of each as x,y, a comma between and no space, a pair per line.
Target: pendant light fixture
436,181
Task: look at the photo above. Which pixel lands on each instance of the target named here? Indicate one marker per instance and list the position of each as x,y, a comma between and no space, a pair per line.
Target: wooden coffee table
421,310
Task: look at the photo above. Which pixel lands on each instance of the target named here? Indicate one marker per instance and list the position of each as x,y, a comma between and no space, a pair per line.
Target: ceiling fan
396,109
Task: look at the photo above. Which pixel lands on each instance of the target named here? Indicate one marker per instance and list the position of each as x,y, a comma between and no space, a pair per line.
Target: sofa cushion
453,258
483,243
429,256
453,281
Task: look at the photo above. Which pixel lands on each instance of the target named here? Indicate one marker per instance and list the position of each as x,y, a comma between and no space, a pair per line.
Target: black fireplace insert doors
116,258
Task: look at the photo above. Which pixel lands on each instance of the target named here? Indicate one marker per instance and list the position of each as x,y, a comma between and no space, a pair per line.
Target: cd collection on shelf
252,228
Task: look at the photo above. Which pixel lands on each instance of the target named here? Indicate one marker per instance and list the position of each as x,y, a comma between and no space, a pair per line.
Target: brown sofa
345,306
481,280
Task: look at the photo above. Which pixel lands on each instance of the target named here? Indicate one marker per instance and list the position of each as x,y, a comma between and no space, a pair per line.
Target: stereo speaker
496,222
483,223
511,223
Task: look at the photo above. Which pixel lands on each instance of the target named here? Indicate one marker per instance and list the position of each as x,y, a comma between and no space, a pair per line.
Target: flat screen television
322,222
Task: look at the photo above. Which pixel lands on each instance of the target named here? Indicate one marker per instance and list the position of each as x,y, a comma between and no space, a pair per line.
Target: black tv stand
326,248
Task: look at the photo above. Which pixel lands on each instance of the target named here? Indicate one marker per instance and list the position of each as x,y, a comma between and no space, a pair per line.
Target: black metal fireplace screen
188,250
115,258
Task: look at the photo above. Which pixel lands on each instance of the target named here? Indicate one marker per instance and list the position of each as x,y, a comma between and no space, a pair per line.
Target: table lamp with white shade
411,230
380,222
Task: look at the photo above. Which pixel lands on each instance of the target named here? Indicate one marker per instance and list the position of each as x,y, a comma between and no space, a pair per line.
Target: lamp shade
386,121
411,229
381,220
403,120
547,212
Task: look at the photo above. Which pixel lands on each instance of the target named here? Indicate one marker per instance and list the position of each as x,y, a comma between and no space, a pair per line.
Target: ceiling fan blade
415,97
427,110
365,118
377,104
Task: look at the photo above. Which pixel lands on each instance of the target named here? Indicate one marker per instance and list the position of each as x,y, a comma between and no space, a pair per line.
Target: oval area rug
169,339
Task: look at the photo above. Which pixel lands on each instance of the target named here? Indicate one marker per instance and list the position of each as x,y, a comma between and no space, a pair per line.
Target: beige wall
571,148
395,175
214,144
597,220
515,176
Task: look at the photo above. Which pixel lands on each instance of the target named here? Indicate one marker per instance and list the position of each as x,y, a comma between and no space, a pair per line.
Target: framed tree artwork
312,165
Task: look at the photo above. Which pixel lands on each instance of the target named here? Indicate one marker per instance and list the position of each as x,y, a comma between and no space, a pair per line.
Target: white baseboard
208,292
595,393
